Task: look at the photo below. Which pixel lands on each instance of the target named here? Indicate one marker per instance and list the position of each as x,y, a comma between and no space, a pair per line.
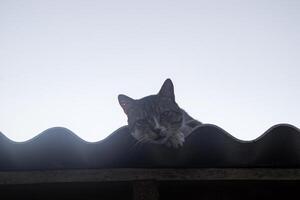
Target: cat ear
167,89
125,102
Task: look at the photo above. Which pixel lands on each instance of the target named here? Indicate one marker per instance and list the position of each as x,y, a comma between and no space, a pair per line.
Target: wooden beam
145,190
129,174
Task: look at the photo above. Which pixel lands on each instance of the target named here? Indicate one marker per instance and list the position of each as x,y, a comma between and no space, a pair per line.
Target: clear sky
235,64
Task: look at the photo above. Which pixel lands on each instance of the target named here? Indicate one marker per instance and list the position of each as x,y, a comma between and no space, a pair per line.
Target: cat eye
173,116
140,122
166,114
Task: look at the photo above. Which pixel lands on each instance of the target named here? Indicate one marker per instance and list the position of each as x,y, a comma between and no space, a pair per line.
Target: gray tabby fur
157,118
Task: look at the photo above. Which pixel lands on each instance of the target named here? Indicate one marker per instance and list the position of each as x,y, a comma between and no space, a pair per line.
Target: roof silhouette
207,146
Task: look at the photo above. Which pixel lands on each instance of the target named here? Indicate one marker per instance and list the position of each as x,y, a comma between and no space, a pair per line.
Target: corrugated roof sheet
208,146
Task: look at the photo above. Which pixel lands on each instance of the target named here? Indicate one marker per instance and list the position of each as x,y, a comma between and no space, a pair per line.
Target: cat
157,118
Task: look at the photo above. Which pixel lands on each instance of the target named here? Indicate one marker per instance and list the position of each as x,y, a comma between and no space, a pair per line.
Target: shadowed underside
207,146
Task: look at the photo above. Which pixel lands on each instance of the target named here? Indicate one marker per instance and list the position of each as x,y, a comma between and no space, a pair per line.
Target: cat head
153,118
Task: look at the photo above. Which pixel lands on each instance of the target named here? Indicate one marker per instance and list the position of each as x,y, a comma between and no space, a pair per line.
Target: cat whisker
140,141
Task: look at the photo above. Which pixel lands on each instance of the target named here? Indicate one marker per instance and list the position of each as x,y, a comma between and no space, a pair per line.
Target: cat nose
157,130
160,132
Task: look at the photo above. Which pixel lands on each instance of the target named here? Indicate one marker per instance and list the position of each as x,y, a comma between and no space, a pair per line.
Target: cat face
153,118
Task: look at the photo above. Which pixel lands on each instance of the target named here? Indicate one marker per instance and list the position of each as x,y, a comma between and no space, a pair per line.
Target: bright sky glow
235,64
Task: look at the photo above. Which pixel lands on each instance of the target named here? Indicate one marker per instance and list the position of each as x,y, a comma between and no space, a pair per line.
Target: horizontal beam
132,174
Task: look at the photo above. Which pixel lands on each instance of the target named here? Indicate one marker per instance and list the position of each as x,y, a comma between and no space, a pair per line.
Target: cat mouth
160,140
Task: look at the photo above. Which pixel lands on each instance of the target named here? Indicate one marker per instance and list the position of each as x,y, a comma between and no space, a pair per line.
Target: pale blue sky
235,64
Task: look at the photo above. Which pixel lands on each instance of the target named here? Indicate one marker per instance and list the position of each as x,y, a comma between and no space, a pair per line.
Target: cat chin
174,140
161,141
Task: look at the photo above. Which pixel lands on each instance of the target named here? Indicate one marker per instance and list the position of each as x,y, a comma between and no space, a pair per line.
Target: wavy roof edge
64,130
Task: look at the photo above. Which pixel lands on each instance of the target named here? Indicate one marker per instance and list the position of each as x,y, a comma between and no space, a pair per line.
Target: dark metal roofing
207,147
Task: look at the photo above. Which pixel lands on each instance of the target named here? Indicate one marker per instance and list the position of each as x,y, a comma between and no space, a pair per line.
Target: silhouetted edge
63,130
269,131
